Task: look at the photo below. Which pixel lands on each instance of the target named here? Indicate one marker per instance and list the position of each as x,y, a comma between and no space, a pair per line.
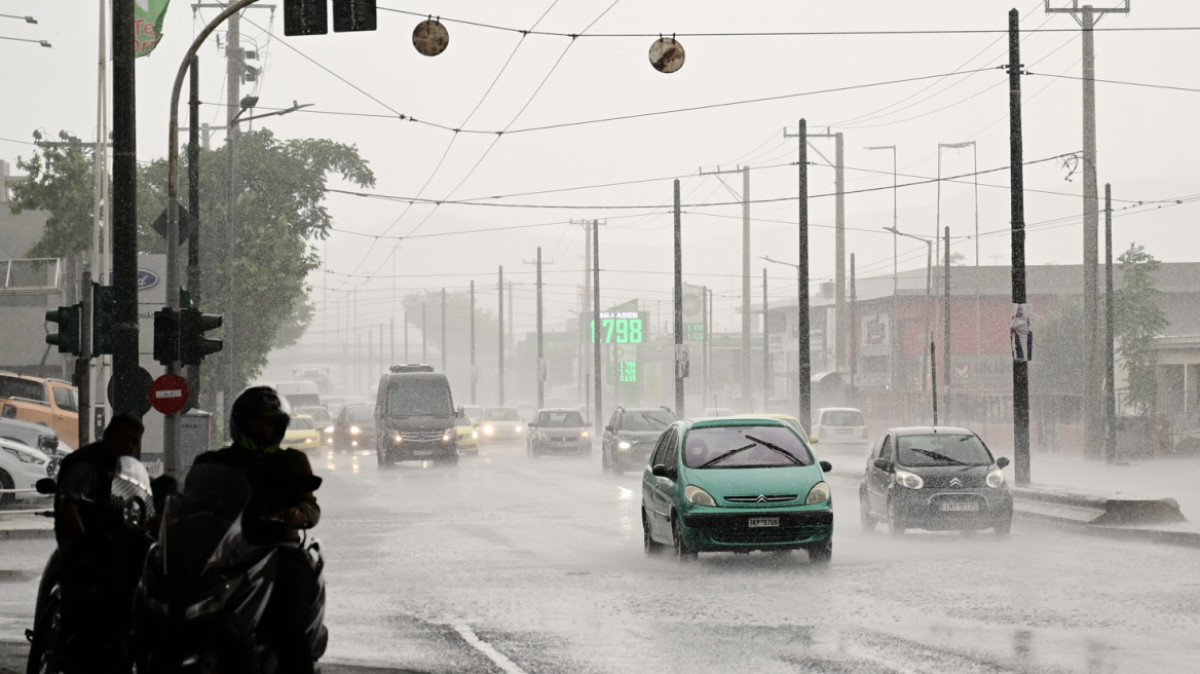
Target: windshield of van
419,398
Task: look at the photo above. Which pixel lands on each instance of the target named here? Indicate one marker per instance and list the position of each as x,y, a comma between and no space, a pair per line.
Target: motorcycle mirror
45,486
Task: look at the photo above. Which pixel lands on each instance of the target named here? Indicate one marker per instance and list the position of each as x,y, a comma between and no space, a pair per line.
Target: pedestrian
100,561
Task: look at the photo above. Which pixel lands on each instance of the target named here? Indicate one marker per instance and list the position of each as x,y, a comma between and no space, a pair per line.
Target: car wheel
535,452
864,515
894,525
682,552
6,482
1004,528
383,459
652,547
821,553
448,460
604,465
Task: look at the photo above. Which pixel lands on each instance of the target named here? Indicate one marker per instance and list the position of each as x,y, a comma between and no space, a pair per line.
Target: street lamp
928,287
975,174
799,291
895,258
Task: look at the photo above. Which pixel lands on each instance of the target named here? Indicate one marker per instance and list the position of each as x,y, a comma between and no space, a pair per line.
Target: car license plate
763,522
423,452
960,506
842,431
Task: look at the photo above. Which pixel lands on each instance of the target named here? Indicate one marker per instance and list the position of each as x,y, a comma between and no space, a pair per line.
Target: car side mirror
826,466
460,412
660,470
45,486
813,439
1002,462
531,425
609,428
884,465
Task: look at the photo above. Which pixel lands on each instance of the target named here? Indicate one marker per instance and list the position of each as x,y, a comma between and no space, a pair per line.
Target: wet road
511,564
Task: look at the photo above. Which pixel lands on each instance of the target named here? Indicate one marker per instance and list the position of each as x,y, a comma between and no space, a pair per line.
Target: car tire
864,514
821,553
6,482
383,459
605,467
894,525
651,547
1004,528
683,554
447,460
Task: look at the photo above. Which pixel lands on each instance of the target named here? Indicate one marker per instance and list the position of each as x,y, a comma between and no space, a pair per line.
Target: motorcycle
205,587
133,504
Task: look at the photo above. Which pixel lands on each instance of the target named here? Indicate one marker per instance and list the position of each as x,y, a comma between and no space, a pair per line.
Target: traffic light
166,335
193,345
305,17
353,15
67,337
104,305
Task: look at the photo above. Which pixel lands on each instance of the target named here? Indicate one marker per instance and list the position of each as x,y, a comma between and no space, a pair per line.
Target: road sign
141,383
169,393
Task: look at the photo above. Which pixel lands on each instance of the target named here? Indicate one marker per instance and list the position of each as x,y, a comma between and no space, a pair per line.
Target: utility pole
803,363
679,391
406,359
1017,216
500,316
946,324
747,360
766,351
598,422
706,390
584,300
1086,17
234,67
424,332
853,331
541,353
839,182
1110,403
126,389
193,172
474,375
443,329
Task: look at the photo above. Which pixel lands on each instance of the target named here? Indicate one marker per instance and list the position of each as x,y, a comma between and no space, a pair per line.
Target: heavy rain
622,337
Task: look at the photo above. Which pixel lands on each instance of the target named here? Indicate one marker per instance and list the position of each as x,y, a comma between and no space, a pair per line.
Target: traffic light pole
171,454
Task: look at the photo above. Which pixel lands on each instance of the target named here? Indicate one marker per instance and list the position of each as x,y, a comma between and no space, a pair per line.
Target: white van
299,393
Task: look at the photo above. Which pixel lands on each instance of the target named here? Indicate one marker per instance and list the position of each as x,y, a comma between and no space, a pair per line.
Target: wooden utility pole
1017,217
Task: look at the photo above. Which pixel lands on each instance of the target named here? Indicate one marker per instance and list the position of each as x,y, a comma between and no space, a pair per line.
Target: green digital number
635,331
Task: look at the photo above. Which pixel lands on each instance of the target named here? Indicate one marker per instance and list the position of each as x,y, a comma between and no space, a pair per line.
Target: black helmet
259,403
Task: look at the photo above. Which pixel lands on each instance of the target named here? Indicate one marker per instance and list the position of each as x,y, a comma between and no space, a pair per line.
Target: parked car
629,437
736,484
558,430
501,423
21,466
936,477
50,402
468,432
840,428
354,428
39,437
303,434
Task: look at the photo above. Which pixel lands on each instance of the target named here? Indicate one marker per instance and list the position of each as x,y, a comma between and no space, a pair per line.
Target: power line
1167,87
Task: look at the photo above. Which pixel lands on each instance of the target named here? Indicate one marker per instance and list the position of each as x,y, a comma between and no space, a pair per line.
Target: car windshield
842,418
301,424
560,419
417,397
942,449
360,414
319,414
646,421
13,387
501,414
744,447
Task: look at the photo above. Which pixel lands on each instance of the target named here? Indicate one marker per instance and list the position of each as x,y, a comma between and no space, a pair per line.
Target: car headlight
624,445
518,428
329,429
23,457
995,479
133,513
355,430
910,480
583,435
488,429
474,435
308,441
449,434
697,496
397,439
818,494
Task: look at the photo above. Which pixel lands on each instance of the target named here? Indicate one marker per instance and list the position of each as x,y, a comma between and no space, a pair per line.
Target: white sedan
21,467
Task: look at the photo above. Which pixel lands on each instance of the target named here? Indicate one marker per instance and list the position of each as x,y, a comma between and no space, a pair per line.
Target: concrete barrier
1094,508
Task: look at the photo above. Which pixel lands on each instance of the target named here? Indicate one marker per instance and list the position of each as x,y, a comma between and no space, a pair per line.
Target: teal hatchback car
736,484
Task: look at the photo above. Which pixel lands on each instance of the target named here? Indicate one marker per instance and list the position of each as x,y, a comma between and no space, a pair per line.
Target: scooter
132,501
205,586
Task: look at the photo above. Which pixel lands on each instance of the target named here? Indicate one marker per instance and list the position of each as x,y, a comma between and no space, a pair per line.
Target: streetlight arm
790,264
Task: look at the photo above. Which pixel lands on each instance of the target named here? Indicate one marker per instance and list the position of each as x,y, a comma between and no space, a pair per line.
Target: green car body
736,484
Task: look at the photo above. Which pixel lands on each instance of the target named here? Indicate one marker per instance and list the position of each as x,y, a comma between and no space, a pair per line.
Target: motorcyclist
100,559
281,504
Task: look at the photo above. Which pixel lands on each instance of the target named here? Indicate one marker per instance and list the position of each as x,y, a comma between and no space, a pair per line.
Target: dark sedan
938,478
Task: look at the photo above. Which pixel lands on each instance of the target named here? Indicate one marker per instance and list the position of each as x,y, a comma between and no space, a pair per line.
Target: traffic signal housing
305,17
104,306
67,337
353,15
193,345
166,335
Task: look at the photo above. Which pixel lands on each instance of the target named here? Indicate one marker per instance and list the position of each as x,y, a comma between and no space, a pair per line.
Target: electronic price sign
620,327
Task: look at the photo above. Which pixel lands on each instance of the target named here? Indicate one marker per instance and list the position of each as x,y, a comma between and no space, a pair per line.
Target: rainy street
513,564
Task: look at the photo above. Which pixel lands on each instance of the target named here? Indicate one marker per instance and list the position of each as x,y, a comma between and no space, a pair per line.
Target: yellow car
303,434
468,434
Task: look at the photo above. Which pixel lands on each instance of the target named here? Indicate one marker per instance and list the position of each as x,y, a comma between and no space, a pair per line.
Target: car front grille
763,498
422,436
794,535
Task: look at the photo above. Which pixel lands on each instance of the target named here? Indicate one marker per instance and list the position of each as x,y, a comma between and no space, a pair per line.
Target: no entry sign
169,393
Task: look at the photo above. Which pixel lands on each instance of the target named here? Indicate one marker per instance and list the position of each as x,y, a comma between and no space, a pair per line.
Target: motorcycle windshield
130,492
198,517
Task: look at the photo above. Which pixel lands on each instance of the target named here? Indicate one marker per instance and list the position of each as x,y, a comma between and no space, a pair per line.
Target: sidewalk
1175,478
22,521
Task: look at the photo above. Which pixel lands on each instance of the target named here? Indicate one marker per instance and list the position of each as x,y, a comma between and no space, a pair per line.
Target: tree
1138,318
60,182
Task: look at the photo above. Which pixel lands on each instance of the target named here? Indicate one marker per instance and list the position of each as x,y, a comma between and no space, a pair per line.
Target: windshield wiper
938,456
776,448
726,455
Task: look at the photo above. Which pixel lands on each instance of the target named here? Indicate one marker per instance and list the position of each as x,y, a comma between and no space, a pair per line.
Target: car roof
746,420
839,409
302,416
28,426
557,409
931,430
499,407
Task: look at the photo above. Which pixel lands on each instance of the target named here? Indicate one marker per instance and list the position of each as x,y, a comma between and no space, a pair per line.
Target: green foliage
1059,365
1138,318
61,182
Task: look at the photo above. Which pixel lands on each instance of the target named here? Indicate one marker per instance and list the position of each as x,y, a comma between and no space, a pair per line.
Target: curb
1108,515
25,534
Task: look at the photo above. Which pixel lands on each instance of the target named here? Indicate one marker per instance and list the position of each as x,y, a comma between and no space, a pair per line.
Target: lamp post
975,175
928,288
895,258
799,292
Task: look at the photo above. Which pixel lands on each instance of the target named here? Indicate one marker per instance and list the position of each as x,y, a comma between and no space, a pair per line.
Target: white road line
484,647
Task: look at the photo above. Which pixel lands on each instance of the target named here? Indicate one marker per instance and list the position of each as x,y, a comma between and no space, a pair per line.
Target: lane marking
484,647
